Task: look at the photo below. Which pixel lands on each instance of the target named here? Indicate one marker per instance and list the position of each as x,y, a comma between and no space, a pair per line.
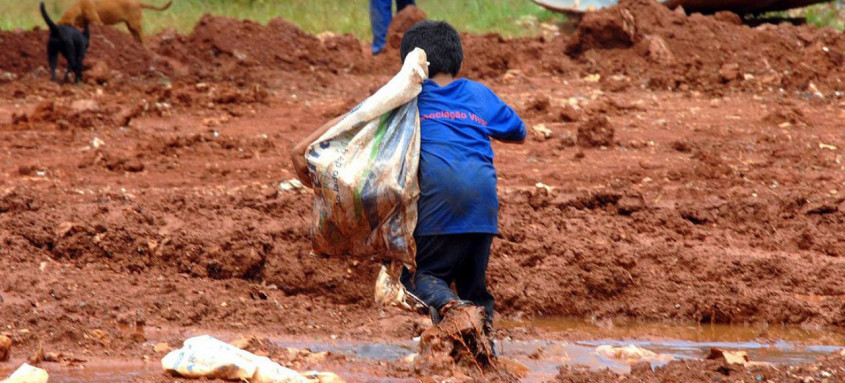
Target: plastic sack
27,374
364,171
206,356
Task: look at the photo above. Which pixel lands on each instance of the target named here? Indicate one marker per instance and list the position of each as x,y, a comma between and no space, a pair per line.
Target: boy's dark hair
441,43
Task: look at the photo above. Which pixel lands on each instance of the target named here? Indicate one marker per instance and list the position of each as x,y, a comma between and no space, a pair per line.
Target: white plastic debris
547,188
392,293
207,357
541,131
631,354
97,142
290,185
27,374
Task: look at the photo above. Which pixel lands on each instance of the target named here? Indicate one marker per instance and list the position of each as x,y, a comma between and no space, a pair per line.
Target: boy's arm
515,134
520,142
504,124
297,154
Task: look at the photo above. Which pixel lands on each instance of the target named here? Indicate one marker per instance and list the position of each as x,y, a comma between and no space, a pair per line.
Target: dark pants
458,258
380,17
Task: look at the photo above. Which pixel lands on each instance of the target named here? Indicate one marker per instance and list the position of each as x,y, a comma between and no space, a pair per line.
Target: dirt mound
221,44
23,52
595,132
492,56
217,44
121,52
668,49
79,114
402,22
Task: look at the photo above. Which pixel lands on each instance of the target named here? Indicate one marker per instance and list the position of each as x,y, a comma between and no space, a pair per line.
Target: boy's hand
297,154
300,166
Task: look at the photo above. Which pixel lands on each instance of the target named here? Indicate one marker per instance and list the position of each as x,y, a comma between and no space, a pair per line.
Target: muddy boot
438,316
488,332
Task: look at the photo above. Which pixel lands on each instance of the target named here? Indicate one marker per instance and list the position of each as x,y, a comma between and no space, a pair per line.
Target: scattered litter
97,142
322,377
547,188
27,374
162,347
826,146
631,354
392,293
208,357
541,131
410,358
290,185
593,78
732,357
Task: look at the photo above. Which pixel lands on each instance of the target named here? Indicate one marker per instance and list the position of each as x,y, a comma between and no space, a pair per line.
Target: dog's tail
46,17
153,7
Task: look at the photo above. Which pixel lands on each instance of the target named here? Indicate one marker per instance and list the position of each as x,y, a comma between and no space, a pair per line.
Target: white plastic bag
364,171
206,356
27,374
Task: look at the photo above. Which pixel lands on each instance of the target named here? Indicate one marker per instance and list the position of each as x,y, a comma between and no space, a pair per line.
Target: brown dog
109,12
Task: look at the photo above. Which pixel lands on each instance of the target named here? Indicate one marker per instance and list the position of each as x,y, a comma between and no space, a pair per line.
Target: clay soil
144,205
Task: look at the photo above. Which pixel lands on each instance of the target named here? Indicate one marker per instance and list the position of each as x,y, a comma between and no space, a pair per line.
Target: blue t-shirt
457,177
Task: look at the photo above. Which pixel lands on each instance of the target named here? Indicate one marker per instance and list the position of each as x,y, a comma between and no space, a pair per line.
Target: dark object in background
573,8
68,41
740,7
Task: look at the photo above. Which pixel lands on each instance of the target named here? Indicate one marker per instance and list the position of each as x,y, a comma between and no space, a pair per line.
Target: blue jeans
458,258
380,17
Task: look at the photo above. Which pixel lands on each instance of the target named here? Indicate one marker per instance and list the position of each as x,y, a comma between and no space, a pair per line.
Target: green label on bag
377,139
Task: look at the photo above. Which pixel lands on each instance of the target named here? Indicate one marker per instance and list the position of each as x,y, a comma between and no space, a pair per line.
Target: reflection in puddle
357,350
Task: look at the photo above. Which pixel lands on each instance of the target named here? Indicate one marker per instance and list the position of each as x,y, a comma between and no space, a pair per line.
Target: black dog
68,41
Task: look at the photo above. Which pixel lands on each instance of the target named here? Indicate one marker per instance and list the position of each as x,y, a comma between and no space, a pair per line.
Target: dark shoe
436,318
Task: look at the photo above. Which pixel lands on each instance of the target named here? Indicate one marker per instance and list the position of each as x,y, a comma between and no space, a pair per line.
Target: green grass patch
826,15
830,14
508,17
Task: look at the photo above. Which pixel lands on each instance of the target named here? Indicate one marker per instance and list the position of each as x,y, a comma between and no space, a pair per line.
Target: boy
458,206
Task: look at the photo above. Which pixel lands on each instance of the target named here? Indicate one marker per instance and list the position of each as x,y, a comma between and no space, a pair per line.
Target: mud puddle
783,345
774,344
543,357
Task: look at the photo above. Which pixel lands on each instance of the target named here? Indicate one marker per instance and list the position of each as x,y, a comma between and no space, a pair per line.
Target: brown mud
147,200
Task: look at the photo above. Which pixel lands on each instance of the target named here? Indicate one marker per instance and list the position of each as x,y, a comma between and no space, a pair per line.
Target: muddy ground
693,173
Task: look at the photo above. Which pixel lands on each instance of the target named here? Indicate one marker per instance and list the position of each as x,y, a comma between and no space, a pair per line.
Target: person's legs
401,4
437,259
471,275
471,279
380,16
